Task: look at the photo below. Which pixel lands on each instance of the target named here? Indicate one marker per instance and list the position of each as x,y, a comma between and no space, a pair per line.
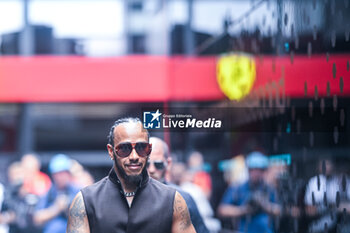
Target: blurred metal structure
26,37
25,134
189,35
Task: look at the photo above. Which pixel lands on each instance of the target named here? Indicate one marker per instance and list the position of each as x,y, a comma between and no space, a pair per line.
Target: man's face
62,179
157,162
131,167
30,165
326,166
256,175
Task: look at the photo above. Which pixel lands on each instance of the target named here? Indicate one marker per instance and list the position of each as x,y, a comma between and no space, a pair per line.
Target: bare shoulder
77,219
181,216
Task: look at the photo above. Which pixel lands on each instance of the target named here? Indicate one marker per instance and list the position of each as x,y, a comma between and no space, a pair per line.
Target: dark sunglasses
124,149
159,165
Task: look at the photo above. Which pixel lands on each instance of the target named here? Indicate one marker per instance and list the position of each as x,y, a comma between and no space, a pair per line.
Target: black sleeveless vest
107,209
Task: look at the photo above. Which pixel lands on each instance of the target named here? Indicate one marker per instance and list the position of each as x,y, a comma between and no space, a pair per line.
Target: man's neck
127,186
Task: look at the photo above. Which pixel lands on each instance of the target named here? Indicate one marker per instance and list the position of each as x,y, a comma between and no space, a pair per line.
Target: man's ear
110,151
170,162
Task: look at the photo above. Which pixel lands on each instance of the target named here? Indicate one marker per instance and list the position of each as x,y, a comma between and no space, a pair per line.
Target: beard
130,179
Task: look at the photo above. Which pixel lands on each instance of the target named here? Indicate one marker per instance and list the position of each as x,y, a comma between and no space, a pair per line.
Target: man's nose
133,155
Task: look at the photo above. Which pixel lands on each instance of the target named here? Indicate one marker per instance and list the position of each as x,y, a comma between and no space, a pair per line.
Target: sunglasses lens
143,149
124,150
159,165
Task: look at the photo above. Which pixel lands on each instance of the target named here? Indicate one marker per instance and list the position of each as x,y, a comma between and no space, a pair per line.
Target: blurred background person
52,209
158,165
19,205
235,171
200,177
81,178
15,174
327,199
319,190
274,173
252,202
288,192
3,227
35,182
184,178
26,185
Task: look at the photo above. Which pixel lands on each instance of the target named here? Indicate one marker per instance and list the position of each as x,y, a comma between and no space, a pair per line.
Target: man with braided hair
128,200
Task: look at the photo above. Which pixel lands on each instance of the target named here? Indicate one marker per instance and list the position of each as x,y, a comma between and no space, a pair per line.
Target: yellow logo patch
236,75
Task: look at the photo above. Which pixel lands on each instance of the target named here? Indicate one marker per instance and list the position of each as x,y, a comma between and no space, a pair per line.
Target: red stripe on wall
154,79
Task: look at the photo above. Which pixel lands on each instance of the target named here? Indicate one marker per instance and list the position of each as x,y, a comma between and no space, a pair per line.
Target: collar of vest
114,178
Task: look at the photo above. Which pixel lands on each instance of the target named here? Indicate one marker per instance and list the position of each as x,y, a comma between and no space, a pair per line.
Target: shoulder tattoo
77,214
180,209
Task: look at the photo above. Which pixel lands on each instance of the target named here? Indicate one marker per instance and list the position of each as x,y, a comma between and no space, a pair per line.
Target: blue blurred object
282,159
225,165
286,46
257,160
59,163
207,167
288,129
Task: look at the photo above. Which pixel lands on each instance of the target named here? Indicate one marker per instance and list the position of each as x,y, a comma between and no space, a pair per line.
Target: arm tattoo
77,214
181,210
